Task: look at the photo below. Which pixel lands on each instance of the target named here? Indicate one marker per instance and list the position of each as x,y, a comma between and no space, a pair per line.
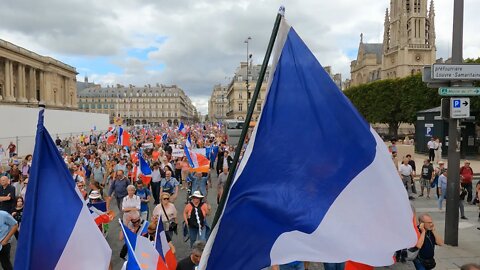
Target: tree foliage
393,101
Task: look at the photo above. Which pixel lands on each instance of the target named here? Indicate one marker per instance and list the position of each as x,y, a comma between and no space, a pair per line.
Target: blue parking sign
429,131
457,103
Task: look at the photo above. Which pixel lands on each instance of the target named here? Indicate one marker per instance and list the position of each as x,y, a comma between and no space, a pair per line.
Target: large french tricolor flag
161,245
141,252
57,230
334,200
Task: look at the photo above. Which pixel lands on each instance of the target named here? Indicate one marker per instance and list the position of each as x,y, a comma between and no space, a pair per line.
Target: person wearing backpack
98,173
195,214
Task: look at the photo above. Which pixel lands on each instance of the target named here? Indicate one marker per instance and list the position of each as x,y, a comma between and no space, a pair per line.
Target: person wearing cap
195,214
166,212
466,177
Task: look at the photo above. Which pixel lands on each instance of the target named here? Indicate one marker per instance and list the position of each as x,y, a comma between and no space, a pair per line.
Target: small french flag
182,129
144,169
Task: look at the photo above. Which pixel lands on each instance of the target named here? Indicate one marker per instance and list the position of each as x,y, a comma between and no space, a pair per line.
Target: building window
240,107
111,106
240,95
105,106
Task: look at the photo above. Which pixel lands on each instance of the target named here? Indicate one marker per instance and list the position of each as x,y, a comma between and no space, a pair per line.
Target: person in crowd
426,177
152,230
99,174
130,203
222,179
395,160
145,196
82,189
4,173
438,149
200,182
156,181
185,171
194,215
429,238
119,188
121,166
412,164
192,261
11,149
8,227
7,195
135,224
406,173
15,173
165,212
431,149
442,186
23,189
169,185
95,186
466,177
18,213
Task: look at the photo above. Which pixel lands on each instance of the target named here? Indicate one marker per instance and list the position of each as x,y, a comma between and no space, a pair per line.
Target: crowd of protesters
107,172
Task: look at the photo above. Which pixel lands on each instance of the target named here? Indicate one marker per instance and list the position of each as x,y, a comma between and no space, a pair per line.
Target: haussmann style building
139,105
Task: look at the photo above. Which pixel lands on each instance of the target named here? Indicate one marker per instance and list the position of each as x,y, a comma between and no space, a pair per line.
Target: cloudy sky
198,43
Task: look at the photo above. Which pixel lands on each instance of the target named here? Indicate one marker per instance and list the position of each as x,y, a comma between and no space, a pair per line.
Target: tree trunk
393,129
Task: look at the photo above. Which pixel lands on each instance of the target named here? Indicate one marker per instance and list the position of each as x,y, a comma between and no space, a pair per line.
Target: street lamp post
249,56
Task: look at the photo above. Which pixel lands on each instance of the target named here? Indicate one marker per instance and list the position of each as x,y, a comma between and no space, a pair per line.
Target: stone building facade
408,44
139,105
240,91
218,104
27,78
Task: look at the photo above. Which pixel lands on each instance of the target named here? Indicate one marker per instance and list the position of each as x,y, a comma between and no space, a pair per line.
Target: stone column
32,86
9,96
21,84
49,94
41,85
66,83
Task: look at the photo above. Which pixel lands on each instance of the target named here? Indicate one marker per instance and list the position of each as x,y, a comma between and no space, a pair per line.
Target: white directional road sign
459,91
456,72
459,107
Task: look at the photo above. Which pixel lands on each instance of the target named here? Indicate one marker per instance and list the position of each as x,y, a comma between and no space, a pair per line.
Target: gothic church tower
409,38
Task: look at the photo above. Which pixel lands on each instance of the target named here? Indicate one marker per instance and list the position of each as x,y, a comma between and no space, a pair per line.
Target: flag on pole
50,240
144,169
111,131
123,137
182,129
333,216
141,253
188,141
161,245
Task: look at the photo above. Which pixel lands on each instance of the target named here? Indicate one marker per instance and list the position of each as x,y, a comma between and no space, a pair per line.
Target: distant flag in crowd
164,137
141,253
188,141
182,129
334,203
123,137
161,245
219,125
49,240
144,169
110,132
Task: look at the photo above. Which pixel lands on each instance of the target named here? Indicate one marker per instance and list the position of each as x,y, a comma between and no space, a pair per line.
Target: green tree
393,102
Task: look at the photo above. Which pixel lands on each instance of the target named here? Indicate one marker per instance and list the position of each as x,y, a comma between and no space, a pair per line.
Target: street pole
453,183
248,93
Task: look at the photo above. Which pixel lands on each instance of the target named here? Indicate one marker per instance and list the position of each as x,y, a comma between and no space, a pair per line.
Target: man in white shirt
406,173
431,149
